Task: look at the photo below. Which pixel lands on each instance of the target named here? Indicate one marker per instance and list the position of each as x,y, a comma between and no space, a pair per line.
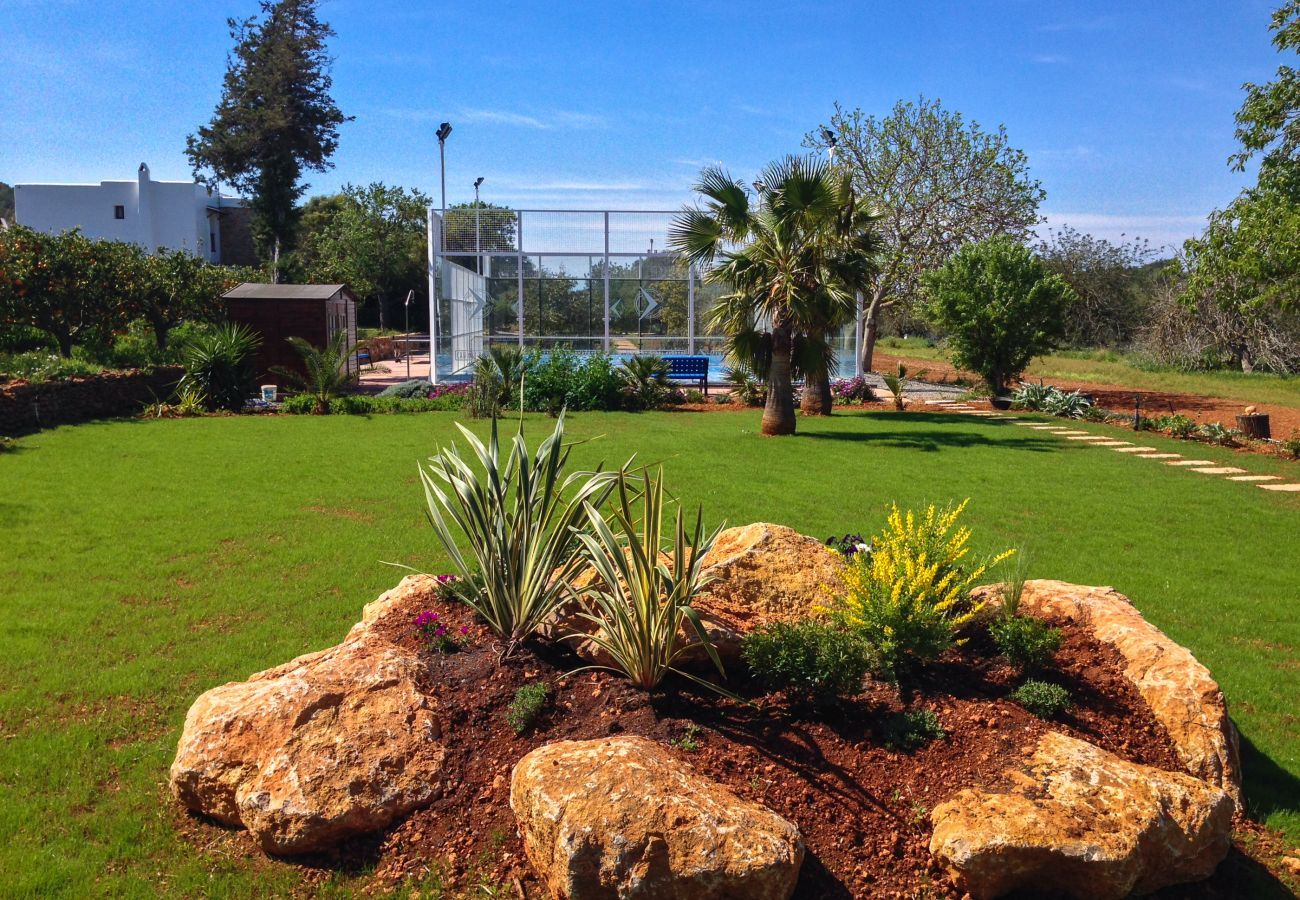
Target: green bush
39,366
1042,698
1292,444
911,730
999,306
1176,425
1026,642
645,382
811,661
527,706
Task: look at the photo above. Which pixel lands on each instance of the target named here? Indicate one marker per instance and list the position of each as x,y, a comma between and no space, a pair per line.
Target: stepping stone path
1203,466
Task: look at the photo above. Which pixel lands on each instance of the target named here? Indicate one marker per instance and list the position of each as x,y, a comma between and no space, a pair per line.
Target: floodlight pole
444,132
478,248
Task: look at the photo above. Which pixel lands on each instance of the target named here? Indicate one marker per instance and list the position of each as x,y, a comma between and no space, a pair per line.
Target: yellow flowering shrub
910,595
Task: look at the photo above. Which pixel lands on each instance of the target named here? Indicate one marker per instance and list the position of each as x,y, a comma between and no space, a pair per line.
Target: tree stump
1254,425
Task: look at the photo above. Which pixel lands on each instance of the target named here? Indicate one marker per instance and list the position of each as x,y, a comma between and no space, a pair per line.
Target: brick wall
26,407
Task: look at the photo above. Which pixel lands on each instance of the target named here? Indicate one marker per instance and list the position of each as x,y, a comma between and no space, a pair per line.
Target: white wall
168,214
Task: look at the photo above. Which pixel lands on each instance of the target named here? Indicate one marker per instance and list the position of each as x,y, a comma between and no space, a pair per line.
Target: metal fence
589,281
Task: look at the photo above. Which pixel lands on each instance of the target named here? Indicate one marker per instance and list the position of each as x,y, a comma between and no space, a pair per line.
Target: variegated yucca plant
521,517
643,596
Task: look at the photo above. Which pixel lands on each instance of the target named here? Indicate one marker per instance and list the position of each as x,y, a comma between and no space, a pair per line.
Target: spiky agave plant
521,517
641,600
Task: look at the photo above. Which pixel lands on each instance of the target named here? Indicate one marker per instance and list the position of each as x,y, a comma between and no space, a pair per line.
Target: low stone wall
27,407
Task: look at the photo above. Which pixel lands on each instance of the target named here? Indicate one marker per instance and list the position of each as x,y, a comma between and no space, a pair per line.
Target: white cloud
1160,230
1050,59
562,120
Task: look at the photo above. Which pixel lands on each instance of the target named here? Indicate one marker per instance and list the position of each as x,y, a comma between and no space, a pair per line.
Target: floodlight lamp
829,137
444,131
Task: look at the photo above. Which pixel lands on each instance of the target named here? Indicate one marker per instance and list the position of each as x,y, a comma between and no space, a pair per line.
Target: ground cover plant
113,587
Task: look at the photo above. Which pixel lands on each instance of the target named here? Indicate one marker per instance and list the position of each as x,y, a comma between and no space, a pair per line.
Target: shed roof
252,291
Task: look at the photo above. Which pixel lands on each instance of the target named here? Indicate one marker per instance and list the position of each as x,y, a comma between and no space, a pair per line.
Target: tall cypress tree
275,118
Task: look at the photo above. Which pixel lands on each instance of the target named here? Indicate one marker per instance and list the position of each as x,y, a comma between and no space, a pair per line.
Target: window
119,212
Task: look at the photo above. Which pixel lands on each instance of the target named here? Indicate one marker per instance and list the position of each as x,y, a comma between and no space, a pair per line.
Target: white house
175,215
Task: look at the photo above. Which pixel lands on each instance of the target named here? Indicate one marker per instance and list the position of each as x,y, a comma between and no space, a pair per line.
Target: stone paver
1068,432
1161,456
1255,478
1136,449
1085,437
1289,488
1115,444
1191,462
1219,470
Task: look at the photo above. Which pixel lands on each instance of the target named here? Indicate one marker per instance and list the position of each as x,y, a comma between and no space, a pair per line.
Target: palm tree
327,372
792,261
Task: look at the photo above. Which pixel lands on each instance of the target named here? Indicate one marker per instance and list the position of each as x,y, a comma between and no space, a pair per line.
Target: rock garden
603,699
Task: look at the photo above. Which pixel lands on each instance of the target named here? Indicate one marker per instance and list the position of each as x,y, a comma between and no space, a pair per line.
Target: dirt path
1117,398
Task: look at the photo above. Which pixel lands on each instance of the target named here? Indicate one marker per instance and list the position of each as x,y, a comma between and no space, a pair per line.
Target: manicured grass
1105,367
145,562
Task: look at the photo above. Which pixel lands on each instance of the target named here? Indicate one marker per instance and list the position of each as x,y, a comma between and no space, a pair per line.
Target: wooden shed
314,312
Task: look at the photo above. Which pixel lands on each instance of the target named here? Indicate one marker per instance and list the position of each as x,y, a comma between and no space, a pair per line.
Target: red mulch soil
862,808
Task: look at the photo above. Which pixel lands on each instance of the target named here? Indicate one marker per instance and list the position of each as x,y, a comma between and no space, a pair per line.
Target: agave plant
1072,405
521,516
641,601
219,366
327,372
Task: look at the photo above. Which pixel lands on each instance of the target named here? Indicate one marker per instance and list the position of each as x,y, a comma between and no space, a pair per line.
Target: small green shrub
911,730
746,385
1042,698
693,395
689,740
1175,425
1292,444
527,706
811,661
1026,642
1216,433
39,366
298,404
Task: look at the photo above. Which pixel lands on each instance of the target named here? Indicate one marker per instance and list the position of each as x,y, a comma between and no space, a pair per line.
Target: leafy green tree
1268,122
372,238
999,306
1247,263
175,286
799,250
275,118
1112,280
70,287
937,182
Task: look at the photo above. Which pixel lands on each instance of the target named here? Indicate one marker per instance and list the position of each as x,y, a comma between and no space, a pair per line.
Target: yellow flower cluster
910,595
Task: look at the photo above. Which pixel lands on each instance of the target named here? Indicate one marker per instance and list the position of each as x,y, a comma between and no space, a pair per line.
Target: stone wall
27,407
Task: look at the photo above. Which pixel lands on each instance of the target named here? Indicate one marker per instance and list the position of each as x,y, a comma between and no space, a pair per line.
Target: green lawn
1106,367
145,562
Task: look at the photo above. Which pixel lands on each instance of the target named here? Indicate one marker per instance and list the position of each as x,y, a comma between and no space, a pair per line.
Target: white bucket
268,393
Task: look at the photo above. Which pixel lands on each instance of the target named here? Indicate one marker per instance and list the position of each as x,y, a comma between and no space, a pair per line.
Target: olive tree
999,306
936,181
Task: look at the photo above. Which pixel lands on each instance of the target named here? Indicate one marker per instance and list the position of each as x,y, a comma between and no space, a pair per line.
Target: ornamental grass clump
910,596
646,584
521,517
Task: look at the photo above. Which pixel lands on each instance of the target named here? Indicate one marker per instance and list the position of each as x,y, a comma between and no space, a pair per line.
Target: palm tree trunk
816,397
778,415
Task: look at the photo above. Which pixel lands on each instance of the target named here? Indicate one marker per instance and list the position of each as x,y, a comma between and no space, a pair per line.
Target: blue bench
689,368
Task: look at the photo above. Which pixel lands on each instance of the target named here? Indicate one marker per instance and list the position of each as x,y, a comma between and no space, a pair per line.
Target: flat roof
252,291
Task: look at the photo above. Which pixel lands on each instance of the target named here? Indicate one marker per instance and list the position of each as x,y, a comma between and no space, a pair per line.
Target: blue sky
1125,108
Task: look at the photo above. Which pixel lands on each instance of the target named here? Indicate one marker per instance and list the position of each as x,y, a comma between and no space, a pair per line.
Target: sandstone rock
1080,821
332,744
1183,696
762,573
621,817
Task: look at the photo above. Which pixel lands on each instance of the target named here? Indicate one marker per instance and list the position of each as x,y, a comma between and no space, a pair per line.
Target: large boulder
1076,820
761,573
1181,693
621,817
332,744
